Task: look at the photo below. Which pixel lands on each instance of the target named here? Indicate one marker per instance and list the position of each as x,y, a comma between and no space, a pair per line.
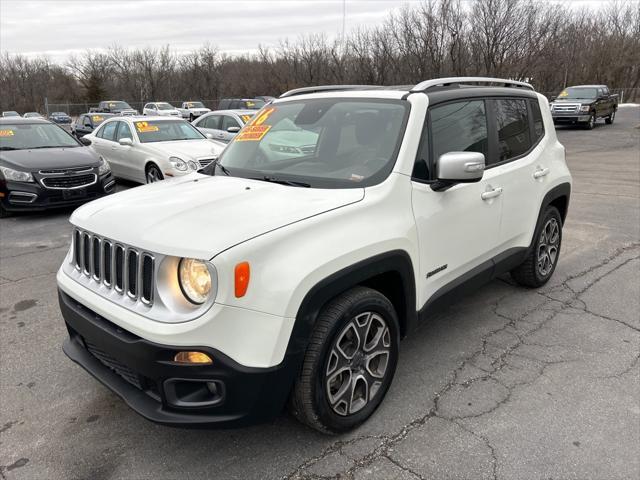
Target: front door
458,229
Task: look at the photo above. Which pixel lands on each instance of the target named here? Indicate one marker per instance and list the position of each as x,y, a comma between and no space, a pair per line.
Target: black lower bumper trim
143,374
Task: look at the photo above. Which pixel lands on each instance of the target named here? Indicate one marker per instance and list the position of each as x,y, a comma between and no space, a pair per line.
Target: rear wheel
191,117
153,174
541,261
349,363
610,118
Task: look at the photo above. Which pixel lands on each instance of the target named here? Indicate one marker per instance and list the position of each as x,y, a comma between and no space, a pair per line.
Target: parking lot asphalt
508,383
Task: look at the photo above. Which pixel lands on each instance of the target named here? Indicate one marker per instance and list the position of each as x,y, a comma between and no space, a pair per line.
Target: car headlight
104,167
16,175
585,108
195,280
193,165
178,164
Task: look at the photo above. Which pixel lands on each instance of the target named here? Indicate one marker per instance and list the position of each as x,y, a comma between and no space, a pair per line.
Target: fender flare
395,261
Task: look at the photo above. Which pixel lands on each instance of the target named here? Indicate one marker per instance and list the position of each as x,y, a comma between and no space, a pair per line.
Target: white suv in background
217,300
149,149
161,109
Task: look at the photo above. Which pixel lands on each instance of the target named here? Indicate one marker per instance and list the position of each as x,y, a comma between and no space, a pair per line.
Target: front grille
64,171
72,181
108,361
566,108
205,161
124,269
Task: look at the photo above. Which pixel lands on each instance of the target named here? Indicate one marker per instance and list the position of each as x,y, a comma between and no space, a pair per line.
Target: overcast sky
58,28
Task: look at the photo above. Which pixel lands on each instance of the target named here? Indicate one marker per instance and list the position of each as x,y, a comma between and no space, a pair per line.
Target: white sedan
148,149
162,109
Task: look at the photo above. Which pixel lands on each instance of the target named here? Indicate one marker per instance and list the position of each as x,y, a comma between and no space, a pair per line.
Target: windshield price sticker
252,133
245,118
97,118
6,133
144,127
564,93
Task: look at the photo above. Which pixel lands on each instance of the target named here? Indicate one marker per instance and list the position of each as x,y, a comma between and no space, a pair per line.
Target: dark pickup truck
584,104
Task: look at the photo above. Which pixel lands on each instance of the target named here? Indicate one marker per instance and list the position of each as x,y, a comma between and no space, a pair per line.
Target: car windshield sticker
97,118
251,104
245,118
564,93
6,133
144,127
255,130
189,105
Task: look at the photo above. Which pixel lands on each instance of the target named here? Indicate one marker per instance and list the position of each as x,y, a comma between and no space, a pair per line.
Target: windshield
58,114
34,135
166,131
32,115
164,106
97,119
195,105
10,114
578,93
325,143
119,105
254,104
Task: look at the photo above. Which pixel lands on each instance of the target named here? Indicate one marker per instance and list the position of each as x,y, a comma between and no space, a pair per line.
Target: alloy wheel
153,175
548,246
357,363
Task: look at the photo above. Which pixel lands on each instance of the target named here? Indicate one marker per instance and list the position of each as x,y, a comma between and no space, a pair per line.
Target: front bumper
33,196
571,117
144,375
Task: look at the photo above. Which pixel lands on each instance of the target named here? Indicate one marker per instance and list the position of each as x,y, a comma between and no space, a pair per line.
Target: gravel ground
506,384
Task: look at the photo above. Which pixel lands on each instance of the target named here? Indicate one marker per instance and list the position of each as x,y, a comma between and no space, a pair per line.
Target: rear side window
538,124
459,127
512,123
228,121
212,122
108,132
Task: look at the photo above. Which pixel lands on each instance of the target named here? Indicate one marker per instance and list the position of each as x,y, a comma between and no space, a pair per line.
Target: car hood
199,216
187,149
47,158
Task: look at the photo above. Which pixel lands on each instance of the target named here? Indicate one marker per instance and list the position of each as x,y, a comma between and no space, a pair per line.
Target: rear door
125,156
103,141
210,124
457,228
519,166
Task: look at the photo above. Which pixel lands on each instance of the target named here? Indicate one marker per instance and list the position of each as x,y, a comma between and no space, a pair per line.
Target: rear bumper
144,375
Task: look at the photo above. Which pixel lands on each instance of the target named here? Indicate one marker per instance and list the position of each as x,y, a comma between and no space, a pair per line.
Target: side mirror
233,129
85,141
208,135
458,167
125,142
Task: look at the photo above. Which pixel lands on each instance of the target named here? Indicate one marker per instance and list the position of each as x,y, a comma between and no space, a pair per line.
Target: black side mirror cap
85,141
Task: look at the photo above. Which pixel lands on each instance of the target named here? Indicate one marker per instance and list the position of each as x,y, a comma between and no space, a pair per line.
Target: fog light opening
193,358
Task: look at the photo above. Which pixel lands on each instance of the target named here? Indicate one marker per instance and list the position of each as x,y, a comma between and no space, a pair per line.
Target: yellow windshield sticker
6,133
189,105
97,118
246,118
251,104
264,115
564,93
252,133
144,127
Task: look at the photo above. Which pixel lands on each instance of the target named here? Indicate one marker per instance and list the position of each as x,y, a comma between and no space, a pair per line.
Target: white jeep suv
217,299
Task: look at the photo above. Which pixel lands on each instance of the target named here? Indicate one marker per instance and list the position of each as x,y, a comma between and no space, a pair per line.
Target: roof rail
444,82
326,88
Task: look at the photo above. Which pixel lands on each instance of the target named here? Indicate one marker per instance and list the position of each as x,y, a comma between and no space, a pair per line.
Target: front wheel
153,174
610,118
191,118
542,259
592,122
349,363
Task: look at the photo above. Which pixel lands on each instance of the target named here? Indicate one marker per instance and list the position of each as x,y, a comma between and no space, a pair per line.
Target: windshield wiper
216,163
292,183
9,148
54,146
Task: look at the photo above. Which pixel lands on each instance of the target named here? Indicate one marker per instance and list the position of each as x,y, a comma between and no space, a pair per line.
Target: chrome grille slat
126,270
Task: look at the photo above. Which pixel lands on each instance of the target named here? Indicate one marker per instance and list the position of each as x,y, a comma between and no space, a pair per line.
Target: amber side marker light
193,358
242,276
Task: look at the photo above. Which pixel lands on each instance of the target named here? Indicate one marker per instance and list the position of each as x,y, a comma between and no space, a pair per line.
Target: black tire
4,213
191,118
590,125
153,173
531,273
310,398
609,120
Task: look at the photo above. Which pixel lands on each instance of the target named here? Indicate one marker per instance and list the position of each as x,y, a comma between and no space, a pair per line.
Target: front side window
166,131
325,143
512,123
459,127
212,122
123,131
228,121
108,132
29,136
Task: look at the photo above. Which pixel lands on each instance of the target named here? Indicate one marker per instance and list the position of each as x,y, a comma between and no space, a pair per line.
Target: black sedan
42,166
88,122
